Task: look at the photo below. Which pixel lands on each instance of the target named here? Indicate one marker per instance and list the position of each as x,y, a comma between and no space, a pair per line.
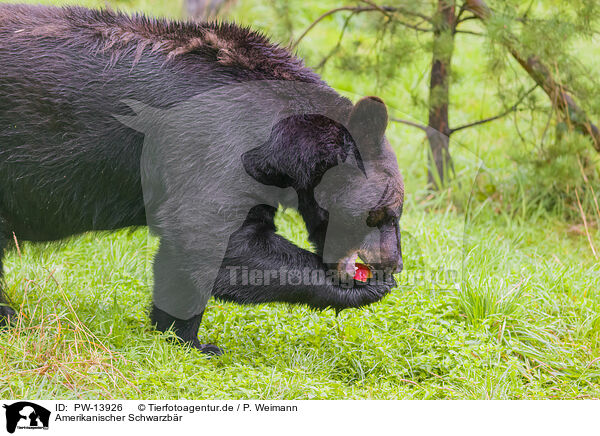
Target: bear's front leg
261,266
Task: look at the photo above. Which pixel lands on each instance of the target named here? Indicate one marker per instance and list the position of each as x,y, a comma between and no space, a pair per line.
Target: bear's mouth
353,266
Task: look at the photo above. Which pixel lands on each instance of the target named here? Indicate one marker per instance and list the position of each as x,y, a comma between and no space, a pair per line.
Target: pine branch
495,117
560,98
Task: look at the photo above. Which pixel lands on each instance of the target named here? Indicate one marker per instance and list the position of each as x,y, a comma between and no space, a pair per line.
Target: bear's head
350,191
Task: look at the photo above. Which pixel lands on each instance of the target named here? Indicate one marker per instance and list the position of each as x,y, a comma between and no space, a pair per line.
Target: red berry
362,272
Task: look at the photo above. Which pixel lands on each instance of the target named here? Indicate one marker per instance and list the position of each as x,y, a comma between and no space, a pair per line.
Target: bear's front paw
363,293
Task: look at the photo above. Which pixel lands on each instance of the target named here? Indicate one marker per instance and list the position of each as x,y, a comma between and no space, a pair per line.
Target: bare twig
469,18
409,123
469,32
587,232
371,7
398,9
503,114
587,182
322,17
413,26
461,11
338,44
459,17
546,127
526,13
376,6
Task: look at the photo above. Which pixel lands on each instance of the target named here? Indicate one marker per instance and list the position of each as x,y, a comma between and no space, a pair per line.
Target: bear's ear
368,121
260,165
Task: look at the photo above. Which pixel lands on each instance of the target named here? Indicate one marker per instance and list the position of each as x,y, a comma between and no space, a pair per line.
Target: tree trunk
438,129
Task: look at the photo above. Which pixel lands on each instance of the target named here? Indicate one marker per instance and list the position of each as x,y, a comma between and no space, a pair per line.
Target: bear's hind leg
177,303
186,330
7,314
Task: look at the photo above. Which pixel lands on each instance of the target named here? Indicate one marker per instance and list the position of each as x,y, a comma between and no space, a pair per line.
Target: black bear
199,131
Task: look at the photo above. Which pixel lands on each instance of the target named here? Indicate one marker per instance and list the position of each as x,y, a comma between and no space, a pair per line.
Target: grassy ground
496,303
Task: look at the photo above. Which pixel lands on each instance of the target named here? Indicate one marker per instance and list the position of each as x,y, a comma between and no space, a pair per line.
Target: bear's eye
375,218
379,217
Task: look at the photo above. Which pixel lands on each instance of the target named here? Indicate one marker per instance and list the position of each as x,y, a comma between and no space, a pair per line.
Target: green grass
528,330
499,301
